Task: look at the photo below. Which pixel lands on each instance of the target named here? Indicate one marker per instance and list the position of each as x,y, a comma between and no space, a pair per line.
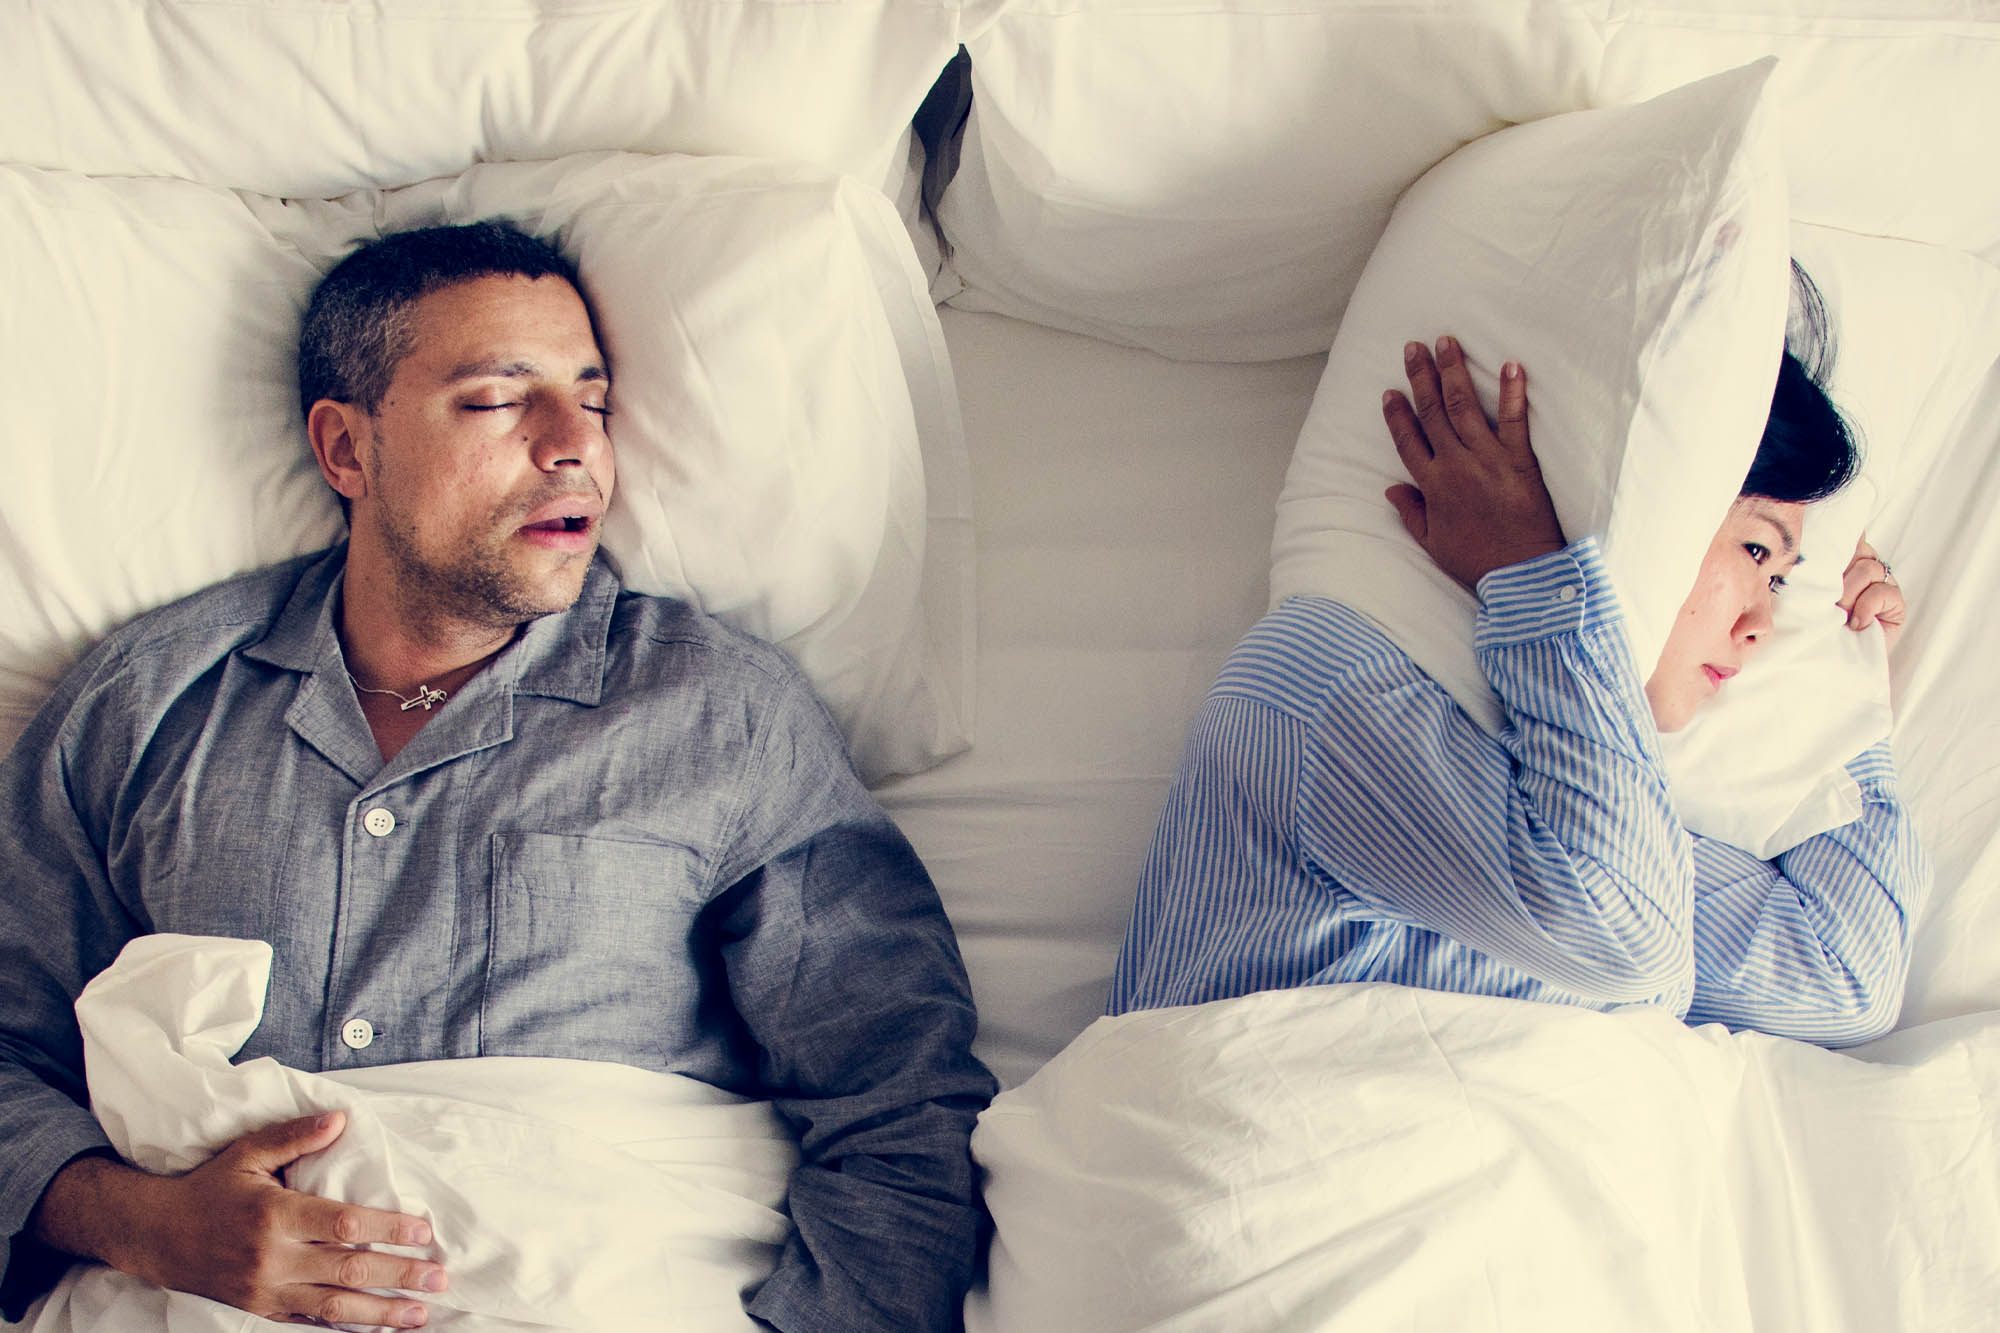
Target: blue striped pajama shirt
1337,818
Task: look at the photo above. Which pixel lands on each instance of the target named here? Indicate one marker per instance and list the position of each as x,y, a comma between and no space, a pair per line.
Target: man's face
487,463
1729,611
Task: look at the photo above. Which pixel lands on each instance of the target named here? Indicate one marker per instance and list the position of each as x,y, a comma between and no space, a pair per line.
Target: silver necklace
426,696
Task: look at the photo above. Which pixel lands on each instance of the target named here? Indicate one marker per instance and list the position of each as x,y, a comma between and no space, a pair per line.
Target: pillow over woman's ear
1634,260
1913,329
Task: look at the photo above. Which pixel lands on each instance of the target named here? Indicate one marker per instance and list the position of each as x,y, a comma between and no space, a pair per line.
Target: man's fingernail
1447,346
1413,353
1511,371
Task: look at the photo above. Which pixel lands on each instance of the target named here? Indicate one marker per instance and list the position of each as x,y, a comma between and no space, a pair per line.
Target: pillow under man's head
787,425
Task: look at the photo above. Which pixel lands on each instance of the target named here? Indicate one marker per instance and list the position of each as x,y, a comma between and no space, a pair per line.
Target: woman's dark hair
1809,450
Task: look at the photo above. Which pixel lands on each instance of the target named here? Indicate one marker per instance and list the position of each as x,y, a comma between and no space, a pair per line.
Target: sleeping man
481,801
1338,818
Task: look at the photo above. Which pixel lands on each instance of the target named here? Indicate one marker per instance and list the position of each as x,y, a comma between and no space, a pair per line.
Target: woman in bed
1338,818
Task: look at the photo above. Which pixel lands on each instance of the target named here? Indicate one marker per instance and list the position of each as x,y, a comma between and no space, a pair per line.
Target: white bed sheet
1124,508
1379,1157
1944,538
562,1194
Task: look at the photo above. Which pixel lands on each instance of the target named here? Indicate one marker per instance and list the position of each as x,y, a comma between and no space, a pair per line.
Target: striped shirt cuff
1874,766
1563,592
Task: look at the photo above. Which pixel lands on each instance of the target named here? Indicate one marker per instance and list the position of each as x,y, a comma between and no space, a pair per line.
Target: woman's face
1729,611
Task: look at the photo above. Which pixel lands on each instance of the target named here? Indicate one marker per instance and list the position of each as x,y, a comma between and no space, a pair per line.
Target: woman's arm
1554,848
1815,945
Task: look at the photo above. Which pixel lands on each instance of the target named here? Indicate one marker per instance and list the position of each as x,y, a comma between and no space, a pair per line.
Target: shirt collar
560,656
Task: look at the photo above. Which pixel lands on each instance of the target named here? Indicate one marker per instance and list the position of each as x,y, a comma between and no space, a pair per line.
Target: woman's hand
1869,593
1479,502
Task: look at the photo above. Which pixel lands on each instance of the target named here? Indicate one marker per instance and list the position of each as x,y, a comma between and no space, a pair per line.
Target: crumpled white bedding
563,1194
1381,1158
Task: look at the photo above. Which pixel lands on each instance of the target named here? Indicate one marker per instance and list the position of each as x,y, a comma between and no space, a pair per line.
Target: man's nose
566,435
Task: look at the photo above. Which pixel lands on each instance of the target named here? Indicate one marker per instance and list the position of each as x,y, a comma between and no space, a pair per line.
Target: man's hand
230,1230
1870,595
1479,502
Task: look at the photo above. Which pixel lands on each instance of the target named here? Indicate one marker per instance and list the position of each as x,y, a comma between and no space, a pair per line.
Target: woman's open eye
1777,583
1758,552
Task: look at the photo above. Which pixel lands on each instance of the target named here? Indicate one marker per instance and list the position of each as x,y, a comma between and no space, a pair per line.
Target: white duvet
563,1194
1378,1158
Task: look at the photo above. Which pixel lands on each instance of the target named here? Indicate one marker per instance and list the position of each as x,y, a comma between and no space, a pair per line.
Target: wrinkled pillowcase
305,99
1634,260
1914,329
1207,180
789,450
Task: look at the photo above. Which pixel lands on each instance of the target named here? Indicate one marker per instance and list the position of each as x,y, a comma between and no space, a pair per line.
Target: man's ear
336,431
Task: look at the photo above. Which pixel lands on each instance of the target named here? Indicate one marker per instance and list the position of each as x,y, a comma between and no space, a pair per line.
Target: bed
1083,312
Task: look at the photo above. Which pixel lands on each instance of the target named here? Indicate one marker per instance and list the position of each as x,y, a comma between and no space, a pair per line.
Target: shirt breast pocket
592,954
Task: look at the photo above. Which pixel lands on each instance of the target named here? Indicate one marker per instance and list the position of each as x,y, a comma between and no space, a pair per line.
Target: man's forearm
81,1212
232,1231
869,1255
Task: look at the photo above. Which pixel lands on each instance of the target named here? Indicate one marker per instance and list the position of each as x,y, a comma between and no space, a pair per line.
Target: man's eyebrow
493,367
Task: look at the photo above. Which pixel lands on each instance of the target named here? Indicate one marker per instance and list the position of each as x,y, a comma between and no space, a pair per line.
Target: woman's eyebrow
1789,538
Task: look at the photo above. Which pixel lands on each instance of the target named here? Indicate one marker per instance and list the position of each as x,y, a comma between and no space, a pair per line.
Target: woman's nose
1758,616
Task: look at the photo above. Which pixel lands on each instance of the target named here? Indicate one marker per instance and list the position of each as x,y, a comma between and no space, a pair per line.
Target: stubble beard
478,585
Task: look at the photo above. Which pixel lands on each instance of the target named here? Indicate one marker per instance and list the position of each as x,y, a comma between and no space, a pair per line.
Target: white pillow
1633,259
785,415
1915,328
1889,104
1207,179
1940,534
310,98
